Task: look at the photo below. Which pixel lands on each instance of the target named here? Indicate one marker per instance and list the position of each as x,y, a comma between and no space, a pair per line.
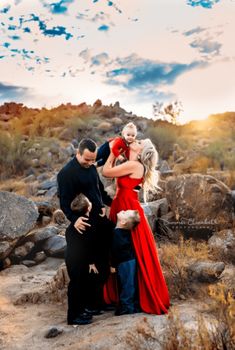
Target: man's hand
92,268
112,269
81,224
103,212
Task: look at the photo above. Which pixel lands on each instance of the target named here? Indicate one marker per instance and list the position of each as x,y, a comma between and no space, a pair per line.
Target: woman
140,169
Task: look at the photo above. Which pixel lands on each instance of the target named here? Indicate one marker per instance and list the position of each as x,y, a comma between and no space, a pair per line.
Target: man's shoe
86,315
109,307
120,312
79,321
94,312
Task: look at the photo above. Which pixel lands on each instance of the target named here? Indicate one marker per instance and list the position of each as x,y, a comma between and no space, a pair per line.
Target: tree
167,111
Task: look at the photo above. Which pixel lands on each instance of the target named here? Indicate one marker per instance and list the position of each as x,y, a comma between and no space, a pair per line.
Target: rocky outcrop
200,198
223,244
205,271
18,215
155,209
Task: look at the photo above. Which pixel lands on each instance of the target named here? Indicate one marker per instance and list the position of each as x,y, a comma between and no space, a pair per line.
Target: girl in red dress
140,169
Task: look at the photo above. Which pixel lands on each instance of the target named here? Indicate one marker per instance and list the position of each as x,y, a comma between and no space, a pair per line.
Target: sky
132,51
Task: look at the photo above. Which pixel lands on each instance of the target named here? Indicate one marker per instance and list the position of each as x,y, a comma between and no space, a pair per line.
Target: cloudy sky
132,51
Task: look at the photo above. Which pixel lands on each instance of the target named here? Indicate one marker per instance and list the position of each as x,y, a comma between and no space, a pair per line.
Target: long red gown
153,292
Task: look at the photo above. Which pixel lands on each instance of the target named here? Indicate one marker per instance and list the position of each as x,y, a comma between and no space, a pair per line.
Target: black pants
77,267
103,154
84,289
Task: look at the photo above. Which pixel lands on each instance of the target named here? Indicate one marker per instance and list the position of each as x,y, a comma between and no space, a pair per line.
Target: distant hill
209,142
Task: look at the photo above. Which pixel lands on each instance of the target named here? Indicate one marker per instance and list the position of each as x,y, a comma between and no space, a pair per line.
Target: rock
223,244
45,208
45,220
53,332
74,142
164,167
200,198
41,193
59,217
42,234
155,209
46,185
5,249
29,178
55,246
205,271
42,177
35,162
18,215
70,150
39,257
111,190
28,263
51,192
22,251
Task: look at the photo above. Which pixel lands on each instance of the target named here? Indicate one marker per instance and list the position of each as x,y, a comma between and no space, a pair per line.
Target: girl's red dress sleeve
119,146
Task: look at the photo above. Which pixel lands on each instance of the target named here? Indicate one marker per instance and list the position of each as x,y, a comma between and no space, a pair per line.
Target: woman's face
137,146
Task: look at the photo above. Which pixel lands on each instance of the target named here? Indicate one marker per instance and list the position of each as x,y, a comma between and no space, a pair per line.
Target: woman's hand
81,224
92,268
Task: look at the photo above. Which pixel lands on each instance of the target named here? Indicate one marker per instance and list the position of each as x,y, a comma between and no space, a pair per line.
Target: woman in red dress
140,169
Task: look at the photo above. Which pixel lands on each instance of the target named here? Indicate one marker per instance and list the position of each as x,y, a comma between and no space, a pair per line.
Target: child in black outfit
124,262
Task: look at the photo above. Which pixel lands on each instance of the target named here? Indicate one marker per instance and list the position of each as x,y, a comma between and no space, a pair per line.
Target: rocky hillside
192,219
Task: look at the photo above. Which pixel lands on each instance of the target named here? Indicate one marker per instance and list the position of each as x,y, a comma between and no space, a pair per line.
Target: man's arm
66,193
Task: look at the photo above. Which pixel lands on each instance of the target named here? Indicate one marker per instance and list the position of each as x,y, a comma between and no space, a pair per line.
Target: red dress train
153,292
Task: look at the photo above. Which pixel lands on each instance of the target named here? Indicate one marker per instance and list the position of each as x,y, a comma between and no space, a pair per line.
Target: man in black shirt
84,289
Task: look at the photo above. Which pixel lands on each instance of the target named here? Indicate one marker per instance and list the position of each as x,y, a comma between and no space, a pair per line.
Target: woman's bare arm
127,168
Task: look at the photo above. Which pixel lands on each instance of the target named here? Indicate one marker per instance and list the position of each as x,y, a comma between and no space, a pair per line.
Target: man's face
87,158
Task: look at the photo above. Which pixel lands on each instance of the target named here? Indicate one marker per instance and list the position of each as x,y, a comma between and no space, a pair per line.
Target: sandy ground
24,326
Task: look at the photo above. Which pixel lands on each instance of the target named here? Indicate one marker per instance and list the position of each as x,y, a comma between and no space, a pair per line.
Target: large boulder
55,246
205,271
18,215
42,234
154,210
200,198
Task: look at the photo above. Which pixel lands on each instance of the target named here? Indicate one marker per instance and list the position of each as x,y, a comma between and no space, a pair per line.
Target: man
85,289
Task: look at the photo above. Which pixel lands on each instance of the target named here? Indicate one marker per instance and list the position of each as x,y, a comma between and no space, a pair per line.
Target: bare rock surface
18,215
201,198
26,324
205,271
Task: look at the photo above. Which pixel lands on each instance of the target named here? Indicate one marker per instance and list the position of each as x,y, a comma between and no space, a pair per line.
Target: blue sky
136,52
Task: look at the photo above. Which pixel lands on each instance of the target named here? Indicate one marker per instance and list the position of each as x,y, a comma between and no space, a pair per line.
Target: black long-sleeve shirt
74,179
122,247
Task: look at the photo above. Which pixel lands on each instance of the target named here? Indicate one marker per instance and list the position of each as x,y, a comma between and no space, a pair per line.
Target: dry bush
179,337
175,259
14,159
17,186
223,307
104,126
142,337
200,165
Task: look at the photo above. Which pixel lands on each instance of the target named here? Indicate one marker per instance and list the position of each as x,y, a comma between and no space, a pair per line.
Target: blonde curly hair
149,158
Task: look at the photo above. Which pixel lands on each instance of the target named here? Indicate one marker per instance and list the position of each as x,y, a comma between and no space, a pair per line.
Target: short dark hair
80,204
87,144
